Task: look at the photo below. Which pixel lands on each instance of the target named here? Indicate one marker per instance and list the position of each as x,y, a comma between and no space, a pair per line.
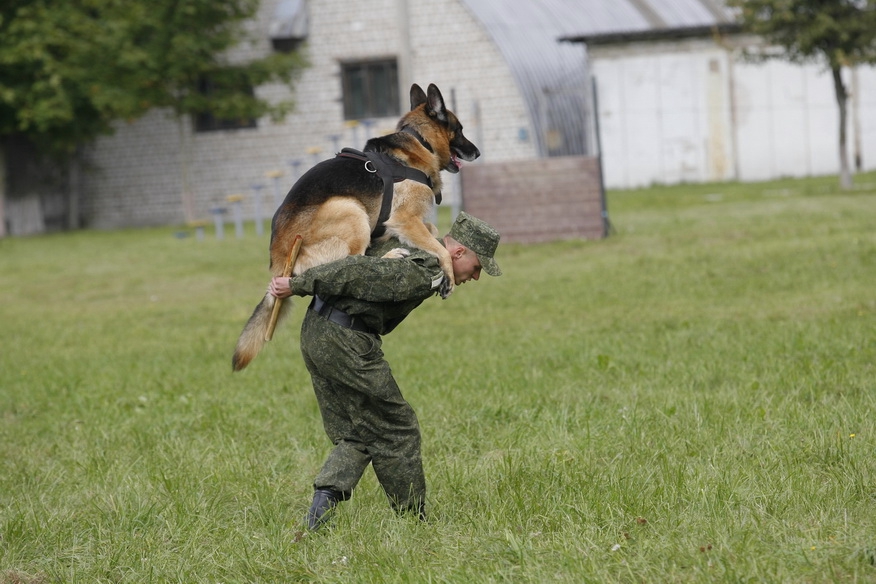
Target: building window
207,122
286,45
370,89
289,26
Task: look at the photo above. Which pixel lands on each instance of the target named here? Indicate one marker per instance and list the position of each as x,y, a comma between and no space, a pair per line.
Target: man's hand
397,253
279,287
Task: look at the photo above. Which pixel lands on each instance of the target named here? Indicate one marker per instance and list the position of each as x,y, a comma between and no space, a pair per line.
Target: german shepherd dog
336,205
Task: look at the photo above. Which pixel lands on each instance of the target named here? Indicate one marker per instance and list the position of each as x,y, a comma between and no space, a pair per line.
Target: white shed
684,105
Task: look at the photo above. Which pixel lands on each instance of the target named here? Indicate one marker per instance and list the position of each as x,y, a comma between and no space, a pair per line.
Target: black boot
324,500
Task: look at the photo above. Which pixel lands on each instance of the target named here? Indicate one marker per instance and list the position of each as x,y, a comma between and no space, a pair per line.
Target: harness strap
391,171
419,137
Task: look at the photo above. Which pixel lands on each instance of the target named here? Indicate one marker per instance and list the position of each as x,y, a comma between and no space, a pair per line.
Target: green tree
837,33
69,70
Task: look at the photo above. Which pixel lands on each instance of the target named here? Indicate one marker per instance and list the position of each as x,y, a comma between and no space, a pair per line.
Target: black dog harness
391,171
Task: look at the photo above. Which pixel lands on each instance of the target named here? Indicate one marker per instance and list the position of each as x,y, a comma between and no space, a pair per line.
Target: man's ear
454,248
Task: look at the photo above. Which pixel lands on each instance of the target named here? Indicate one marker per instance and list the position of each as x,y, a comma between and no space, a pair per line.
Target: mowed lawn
691,399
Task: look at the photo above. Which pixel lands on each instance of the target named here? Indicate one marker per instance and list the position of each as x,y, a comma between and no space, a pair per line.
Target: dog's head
439,128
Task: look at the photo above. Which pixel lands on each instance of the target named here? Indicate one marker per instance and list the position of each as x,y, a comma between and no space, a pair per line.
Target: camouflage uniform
363,411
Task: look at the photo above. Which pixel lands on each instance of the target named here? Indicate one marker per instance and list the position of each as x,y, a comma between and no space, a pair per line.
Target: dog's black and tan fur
335,205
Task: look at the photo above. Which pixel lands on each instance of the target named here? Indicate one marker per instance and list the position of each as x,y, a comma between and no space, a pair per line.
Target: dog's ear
435,104
418,96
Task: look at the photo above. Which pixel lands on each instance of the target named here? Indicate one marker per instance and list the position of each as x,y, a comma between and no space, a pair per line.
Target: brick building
137,175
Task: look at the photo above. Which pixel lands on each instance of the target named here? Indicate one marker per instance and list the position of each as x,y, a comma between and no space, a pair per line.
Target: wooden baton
287,272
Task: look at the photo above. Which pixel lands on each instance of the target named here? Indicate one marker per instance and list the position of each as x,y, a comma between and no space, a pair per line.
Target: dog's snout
466,150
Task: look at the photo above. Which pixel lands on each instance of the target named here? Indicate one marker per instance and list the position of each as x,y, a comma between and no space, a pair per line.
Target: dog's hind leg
327,250
252,338
338,228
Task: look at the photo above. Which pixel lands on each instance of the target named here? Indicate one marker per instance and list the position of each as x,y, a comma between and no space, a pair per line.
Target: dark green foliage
68,70
838,33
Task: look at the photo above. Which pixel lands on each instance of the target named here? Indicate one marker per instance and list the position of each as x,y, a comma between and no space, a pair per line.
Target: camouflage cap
479,237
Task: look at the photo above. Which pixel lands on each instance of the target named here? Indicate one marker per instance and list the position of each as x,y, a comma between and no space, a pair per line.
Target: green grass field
692,399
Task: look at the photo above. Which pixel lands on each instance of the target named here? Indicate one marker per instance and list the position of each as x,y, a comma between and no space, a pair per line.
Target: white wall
787,120
692,111
664,115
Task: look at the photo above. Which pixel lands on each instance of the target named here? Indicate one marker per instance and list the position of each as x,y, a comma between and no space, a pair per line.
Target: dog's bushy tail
252,339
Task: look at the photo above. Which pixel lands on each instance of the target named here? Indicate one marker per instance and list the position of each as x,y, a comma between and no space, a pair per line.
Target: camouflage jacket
382,292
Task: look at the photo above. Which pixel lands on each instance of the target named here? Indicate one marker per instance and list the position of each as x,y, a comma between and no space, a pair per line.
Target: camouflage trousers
364,414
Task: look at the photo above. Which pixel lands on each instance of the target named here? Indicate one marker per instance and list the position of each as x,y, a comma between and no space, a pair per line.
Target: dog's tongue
455,160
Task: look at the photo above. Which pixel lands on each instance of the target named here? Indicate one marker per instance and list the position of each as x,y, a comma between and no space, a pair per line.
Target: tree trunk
842,98
3,185
74,189
185,144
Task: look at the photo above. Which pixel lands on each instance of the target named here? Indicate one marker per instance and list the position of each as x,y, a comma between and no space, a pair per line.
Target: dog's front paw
398,253
446,287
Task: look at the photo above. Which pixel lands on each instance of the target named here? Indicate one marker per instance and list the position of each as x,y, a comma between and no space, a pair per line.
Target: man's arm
372,279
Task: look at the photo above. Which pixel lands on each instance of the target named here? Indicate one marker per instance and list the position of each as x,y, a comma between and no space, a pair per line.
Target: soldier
356,300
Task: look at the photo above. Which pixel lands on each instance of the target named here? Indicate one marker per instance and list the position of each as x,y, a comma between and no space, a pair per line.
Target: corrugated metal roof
552,75
685,13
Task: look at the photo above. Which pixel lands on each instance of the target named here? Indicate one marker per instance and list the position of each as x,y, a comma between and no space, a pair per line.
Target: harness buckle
370,169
